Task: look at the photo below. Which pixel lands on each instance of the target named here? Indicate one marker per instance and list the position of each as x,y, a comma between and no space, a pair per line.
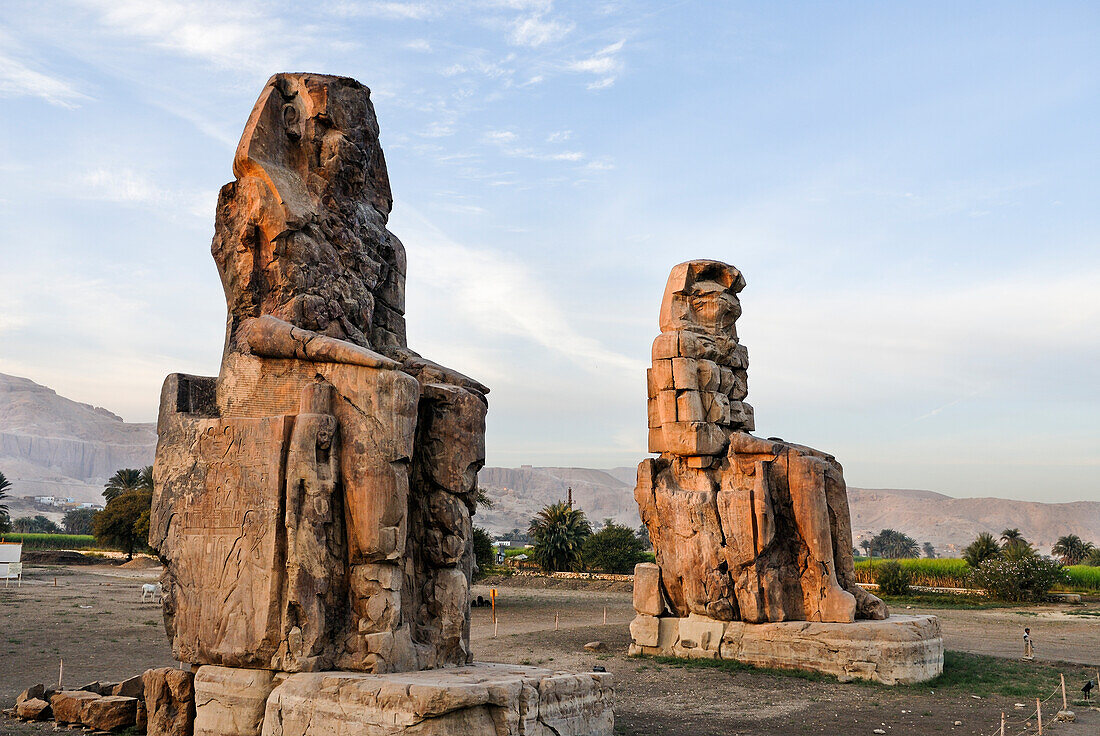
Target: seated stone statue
744,528
313,502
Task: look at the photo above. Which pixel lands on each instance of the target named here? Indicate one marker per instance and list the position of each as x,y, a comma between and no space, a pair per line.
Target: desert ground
94,620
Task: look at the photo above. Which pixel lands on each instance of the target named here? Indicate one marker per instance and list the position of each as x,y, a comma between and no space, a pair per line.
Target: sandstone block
662,375
710,375
685,374
231,702
169,702
648,600
482,698
33,709
689,407
110,713
68,705
34,691
644,630
131,688
694,438
666,346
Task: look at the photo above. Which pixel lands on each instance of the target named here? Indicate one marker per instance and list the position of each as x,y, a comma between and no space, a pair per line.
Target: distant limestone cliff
53,446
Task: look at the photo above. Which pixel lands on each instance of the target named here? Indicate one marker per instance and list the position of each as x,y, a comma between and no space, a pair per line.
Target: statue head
701,296
301,234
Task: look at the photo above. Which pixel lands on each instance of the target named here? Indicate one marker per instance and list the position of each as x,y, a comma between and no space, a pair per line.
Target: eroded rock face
744,528
169,706
312,503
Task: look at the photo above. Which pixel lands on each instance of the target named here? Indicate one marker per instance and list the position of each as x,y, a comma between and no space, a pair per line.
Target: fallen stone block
110,712
33,709
68,705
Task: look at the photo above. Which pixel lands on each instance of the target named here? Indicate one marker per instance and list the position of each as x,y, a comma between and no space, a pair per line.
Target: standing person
1029,650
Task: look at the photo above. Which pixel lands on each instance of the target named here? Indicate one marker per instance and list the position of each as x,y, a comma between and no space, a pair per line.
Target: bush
614,549
942,572
124,523
1027,578
892,578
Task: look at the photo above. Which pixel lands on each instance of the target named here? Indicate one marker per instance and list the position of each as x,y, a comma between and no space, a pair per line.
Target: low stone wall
573,575
898,650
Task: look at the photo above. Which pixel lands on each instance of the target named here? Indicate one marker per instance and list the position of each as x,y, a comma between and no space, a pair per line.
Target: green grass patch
963,674
52,541
945,601
982,675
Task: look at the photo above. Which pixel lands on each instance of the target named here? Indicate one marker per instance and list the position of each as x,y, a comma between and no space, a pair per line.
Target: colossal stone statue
745,529
312,503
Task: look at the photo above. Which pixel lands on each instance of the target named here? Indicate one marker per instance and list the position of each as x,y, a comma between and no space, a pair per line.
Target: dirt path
95,620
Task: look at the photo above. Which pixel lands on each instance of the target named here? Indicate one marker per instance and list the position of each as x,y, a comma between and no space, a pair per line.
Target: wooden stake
496,627
60,672
55,582
555,620
605,614
1039,715
1065,705
1002,723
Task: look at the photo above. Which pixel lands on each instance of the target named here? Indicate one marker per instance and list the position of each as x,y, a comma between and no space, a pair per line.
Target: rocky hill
948,523
53,446
50,445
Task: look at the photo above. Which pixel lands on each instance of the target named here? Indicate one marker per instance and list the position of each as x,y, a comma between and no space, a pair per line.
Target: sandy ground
94,619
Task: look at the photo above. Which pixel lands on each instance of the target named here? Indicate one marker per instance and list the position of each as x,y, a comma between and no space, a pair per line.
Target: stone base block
898,650
231,702
489,699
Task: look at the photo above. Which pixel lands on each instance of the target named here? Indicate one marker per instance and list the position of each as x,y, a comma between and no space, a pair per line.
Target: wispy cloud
19,80
496,295
389,10
506,140
604,64
536,29
240,35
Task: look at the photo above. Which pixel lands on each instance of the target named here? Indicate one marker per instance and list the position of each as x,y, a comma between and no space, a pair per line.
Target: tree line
123,523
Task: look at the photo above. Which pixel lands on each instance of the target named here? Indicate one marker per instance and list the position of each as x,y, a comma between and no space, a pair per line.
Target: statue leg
825,599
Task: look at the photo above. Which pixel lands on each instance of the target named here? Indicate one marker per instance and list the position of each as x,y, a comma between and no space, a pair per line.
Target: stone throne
312,503
752,536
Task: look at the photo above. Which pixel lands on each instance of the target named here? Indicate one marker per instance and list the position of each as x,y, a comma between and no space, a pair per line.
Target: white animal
151,590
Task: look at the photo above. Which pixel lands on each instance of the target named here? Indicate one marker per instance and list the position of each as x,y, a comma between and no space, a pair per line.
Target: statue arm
271,337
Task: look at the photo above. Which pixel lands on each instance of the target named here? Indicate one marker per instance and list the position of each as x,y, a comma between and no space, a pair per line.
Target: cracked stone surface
503,700
312,503
897,650
744,528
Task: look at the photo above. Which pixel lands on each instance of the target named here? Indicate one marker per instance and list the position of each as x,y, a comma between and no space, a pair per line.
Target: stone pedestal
897,650
475,700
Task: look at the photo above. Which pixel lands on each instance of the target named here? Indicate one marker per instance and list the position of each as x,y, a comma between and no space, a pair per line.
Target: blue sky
910,189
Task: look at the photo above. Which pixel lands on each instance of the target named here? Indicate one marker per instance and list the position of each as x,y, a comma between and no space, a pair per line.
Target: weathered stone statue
745,529
312,503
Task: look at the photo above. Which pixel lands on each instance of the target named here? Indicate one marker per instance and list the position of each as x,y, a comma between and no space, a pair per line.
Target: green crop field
53,541
940,573
1083,578
955,573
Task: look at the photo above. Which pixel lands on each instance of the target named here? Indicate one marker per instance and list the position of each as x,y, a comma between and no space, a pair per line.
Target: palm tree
146,478
1071,549
5,484
558,531
1093,560
866,546
929,551
1013,538
123,481
981,549
894,544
